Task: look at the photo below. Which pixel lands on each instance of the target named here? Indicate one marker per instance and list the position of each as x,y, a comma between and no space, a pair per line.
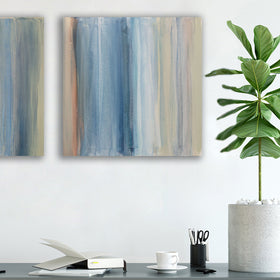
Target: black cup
198,255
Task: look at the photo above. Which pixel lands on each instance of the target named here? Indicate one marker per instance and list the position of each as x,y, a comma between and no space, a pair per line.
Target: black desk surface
19,271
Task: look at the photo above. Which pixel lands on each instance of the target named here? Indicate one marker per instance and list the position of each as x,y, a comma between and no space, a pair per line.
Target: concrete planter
254,238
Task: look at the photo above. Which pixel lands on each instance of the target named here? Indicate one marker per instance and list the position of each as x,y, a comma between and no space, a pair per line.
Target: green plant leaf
277,140
274,104
264,42
224,101
276,42
275,70
256,127
265,112
248,113
274,100
241,35
231,112
225,133
244,89
274,92
256,73
273,110
223,71
268,82
276,64
268,148
243,59
228,132
233,145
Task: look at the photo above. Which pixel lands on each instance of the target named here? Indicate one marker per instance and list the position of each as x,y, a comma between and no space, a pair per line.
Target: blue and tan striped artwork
21,86
132,86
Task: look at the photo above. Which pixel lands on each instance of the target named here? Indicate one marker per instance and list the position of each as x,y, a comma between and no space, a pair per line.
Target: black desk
19,271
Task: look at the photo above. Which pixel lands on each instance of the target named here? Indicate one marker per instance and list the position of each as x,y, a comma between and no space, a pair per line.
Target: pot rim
253,205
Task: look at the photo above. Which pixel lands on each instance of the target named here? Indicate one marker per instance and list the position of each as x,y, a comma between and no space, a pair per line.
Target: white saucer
167,270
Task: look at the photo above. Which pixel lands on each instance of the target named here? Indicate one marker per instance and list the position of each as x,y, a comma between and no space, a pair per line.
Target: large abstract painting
21,86
132,86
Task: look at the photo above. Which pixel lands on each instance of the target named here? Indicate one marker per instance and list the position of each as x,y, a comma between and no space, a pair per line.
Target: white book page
58,263
66,250
68,272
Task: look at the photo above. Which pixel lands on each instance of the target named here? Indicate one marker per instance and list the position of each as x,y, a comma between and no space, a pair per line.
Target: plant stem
260,169
260,150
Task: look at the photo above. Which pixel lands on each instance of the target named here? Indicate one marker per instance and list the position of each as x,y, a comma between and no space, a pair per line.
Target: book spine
105,263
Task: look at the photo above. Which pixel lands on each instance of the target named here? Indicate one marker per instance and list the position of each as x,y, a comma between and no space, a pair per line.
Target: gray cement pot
254,238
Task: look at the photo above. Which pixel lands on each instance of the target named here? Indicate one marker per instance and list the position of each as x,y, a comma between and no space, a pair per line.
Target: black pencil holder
198,255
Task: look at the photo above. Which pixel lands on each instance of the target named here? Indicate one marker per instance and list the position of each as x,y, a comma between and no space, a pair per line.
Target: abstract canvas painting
21,86
132,86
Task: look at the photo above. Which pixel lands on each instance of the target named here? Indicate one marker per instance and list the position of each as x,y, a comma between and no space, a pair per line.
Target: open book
80,260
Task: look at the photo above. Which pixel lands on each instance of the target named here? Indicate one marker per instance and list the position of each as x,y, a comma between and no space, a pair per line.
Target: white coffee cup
167,259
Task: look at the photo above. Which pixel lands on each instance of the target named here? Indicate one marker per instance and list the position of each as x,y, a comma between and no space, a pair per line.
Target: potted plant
254,229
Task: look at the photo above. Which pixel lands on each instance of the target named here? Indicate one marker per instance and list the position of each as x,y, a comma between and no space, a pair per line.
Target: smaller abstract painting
21,86
132,86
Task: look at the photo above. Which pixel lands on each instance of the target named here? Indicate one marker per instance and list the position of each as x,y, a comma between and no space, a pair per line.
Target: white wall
131,207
